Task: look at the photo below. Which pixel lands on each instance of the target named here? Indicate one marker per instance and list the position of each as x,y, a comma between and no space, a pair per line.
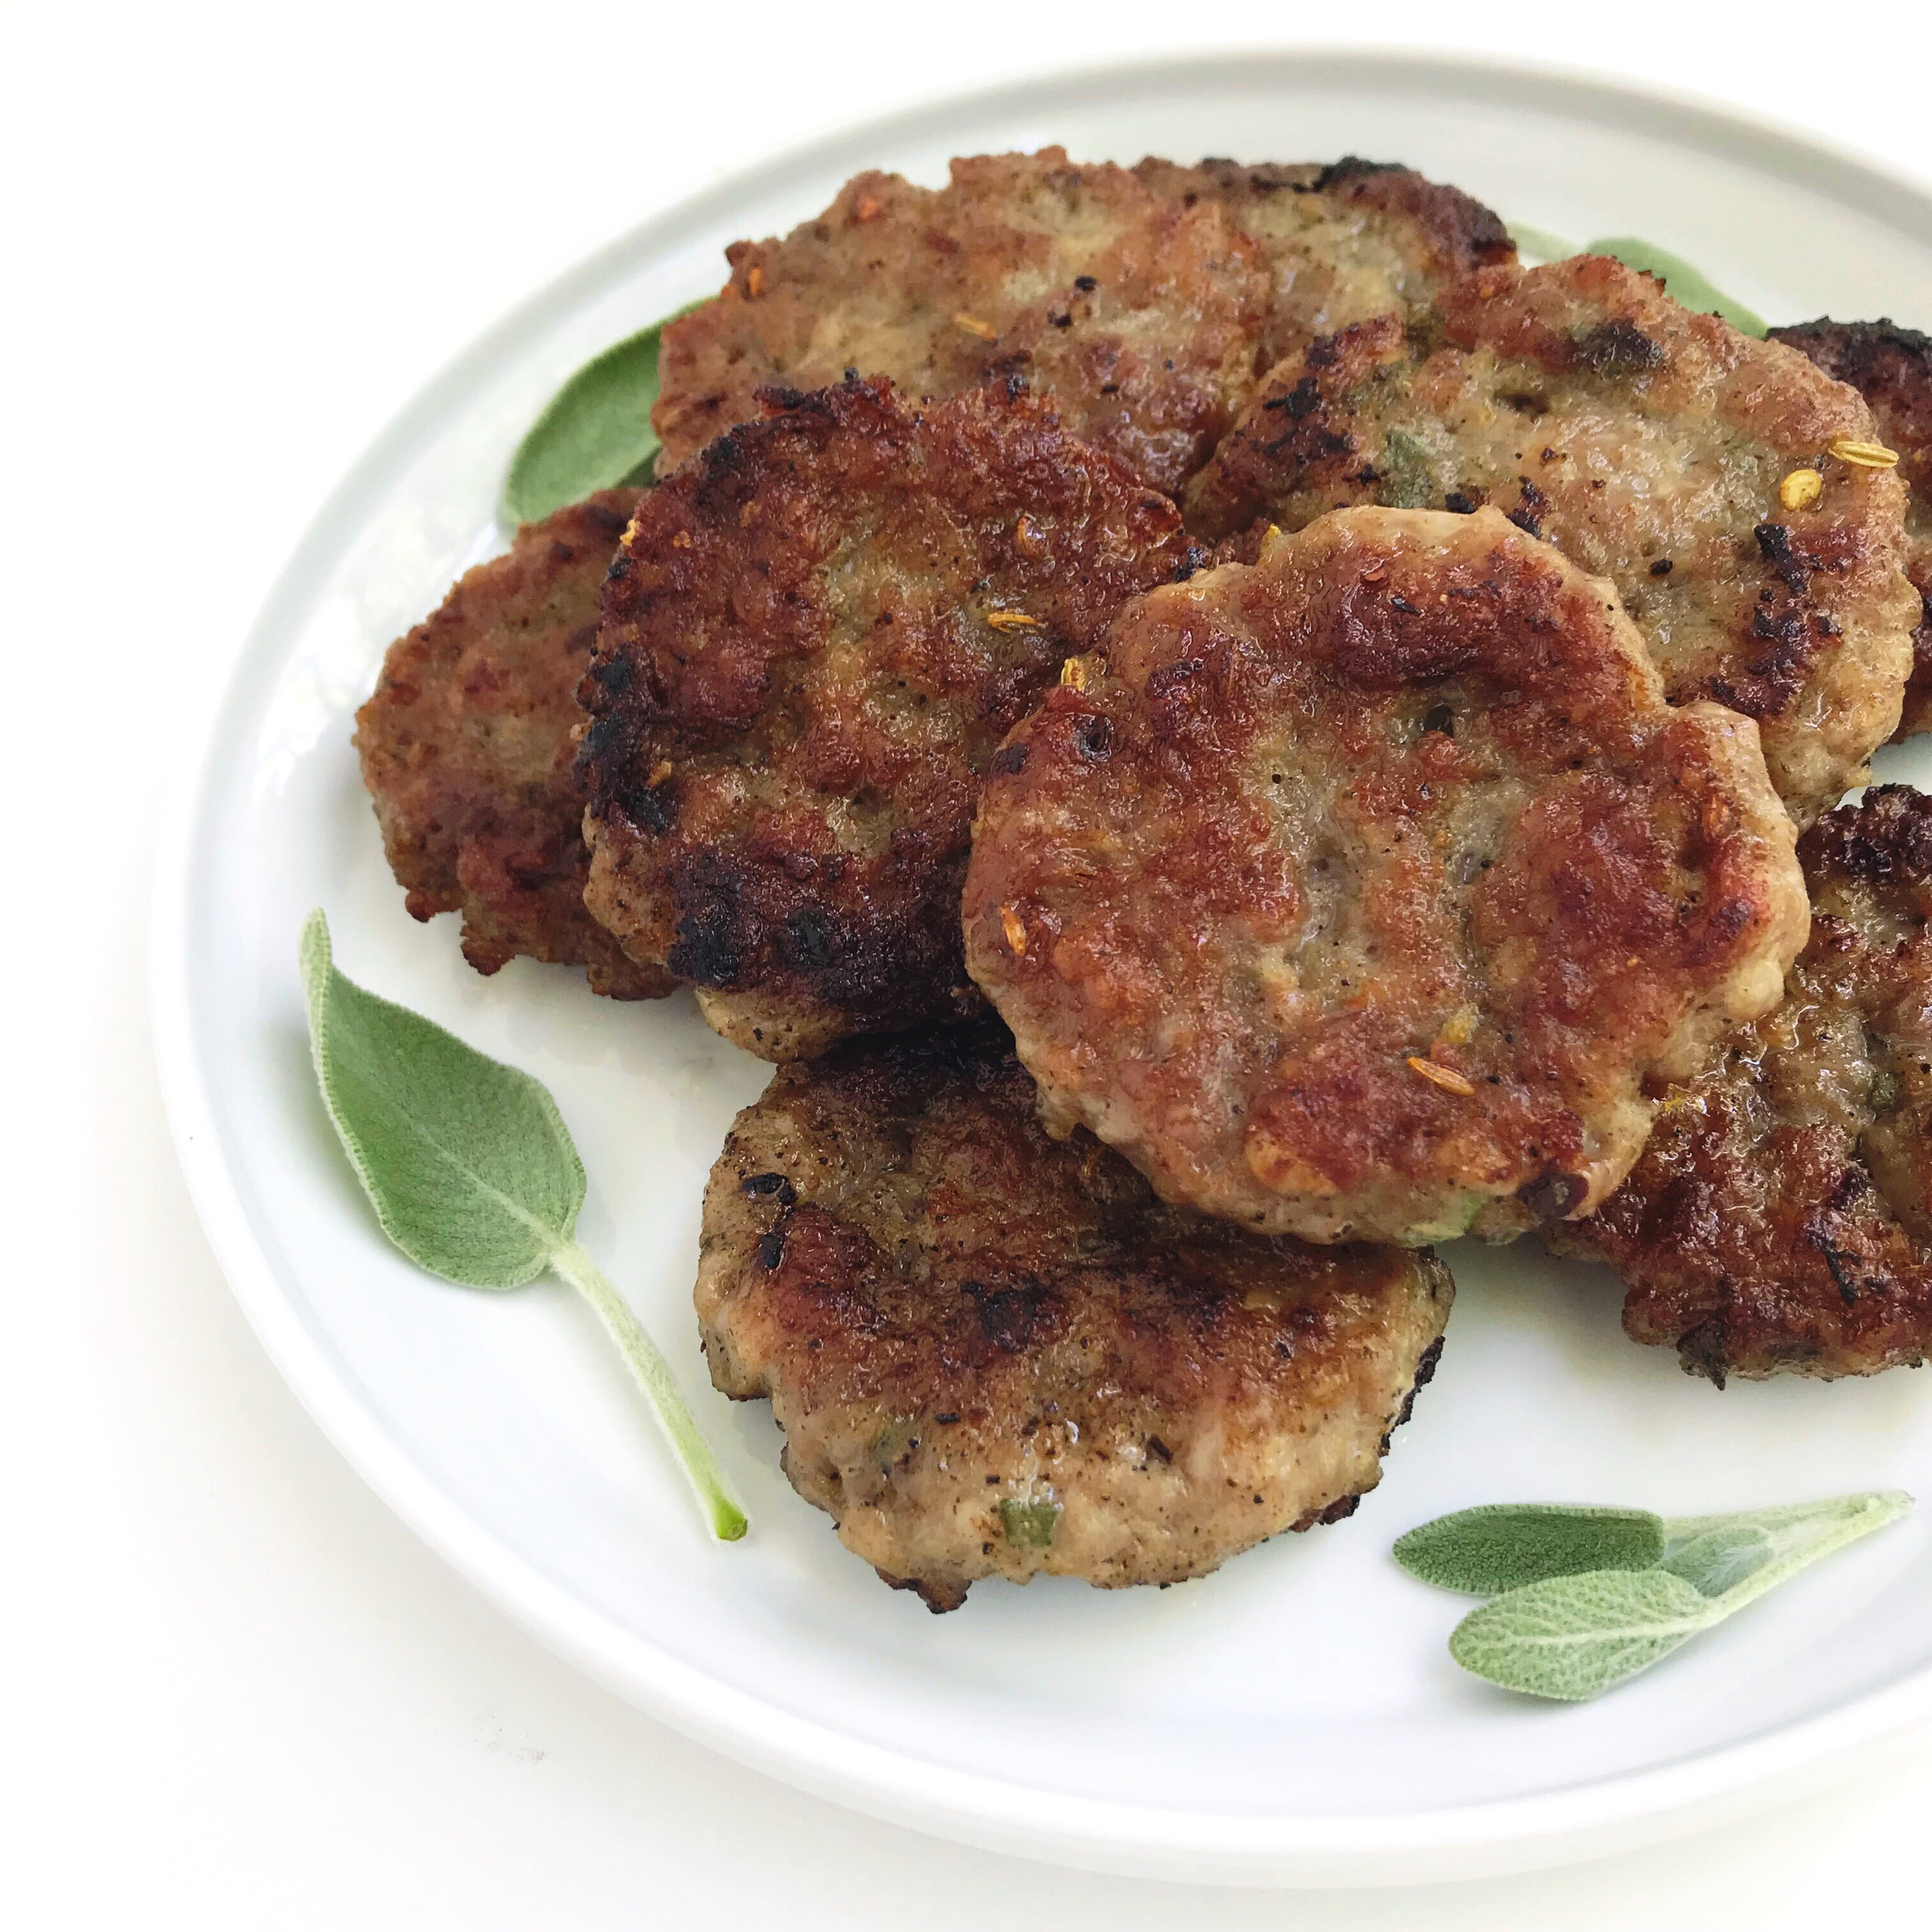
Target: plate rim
1544,1827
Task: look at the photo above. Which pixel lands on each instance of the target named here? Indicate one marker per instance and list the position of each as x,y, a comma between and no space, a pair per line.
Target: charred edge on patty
1777,1223
798,931
466,750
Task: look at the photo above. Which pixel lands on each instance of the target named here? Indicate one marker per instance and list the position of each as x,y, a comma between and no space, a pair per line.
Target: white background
235,1692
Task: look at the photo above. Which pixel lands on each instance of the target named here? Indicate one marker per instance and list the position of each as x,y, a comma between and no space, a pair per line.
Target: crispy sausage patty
1359,892
1343,242
1780,1219
1647,442
1146,300
467,751
1891,368
813,639
1139,312
993,1354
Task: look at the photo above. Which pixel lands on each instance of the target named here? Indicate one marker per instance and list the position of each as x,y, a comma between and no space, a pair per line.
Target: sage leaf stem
646,1363
1737,1558
473,1175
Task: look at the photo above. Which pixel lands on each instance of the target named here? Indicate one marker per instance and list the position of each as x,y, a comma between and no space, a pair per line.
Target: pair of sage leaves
1582,1599
595,433
473,1175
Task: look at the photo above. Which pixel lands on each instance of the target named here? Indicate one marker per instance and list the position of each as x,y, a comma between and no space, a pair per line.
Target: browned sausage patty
1141,313
815,636
1780,1219
1648,443
1891,368
1147,300
467,747
1344,242
993,1354
1360,896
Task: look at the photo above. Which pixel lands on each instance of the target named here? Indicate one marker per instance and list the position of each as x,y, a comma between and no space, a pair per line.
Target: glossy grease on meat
1139,313
467,748
994,1353
1891,368
1648,444
815,636
1359,892
1780,1219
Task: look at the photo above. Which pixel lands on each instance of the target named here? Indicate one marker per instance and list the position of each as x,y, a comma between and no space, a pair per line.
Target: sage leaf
1681,282
594,433
1739,1557
1573,1637
1539,242
468,1162
473,1175
1501,1546
1721,1558
1590,1597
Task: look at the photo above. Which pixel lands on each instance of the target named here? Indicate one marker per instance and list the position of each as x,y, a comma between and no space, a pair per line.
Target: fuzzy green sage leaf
473,1175
1539,242
1611,1592
1571,1637
594,433
1680,281
1739,1556
1502,1546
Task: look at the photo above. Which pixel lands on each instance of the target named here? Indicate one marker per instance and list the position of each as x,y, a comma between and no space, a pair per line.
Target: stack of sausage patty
1221,730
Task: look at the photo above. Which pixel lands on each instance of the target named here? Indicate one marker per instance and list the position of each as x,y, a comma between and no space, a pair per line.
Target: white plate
1295,1717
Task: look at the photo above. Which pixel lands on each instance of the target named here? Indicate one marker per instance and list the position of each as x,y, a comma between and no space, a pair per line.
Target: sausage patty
1139,312
1649,444
1147,300
1343,242
1891,368
1356,896
467,747
1780,1219
813,639
993,1354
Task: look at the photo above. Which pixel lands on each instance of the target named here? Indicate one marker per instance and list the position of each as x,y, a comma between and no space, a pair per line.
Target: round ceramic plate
1295,1717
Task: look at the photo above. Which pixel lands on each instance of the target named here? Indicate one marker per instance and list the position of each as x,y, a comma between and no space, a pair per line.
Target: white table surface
236,1691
